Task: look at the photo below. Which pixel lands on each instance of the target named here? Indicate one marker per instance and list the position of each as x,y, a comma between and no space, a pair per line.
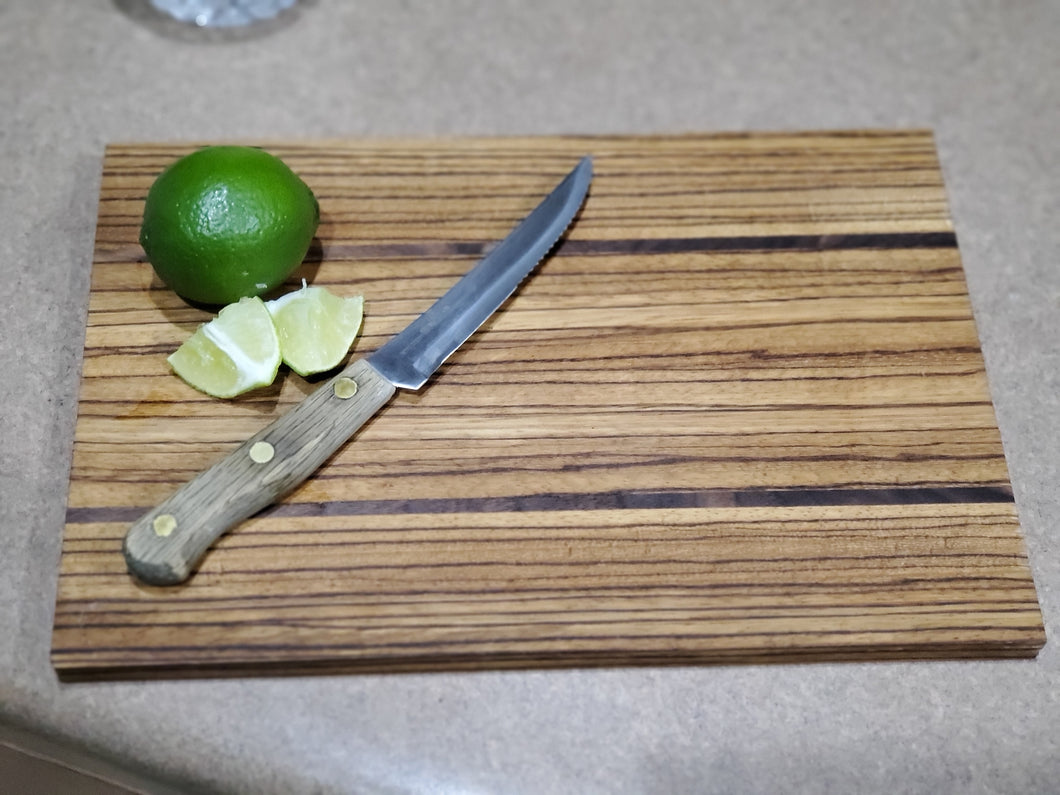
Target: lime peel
225,222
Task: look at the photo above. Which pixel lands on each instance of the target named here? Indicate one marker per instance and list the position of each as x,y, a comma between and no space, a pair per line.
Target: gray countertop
983,75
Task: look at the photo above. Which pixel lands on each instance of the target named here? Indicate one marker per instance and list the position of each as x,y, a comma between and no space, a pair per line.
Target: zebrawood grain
740,415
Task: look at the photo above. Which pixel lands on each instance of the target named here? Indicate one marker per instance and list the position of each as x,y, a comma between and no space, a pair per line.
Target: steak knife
165,545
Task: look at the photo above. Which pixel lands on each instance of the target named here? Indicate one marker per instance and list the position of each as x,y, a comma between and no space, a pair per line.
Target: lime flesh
235,352
315,328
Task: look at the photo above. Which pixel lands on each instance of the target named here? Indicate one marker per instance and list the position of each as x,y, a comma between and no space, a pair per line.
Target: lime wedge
235,352
315,327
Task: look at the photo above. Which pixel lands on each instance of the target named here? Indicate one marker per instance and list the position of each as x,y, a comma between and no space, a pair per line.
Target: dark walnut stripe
746,243
462,249
714,498
778,243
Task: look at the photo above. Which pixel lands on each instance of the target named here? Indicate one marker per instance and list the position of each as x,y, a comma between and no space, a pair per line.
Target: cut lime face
235,352
316,328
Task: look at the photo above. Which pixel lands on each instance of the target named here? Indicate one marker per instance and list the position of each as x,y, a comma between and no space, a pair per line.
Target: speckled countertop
984,75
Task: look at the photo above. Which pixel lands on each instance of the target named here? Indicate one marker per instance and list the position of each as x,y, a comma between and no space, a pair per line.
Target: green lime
235,352
315,328
226,222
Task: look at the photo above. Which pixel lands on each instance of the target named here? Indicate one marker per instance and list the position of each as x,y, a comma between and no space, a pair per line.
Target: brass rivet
164,524
262,452
345,388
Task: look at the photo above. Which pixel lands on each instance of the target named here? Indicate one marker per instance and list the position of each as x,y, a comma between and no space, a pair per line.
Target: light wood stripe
594,585
741,414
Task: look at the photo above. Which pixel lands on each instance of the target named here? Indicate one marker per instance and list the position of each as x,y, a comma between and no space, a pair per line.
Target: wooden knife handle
164,546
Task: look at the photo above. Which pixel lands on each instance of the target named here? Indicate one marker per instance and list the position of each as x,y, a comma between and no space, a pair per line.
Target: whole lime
226,222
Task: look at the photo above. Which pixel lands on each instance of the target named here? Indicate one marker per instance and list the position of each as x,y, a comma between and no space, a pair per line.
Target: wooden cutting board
740,415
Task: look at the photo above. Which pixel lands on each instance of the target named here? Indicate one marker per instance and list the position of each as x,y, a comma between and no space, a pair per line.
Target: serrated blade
410,358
